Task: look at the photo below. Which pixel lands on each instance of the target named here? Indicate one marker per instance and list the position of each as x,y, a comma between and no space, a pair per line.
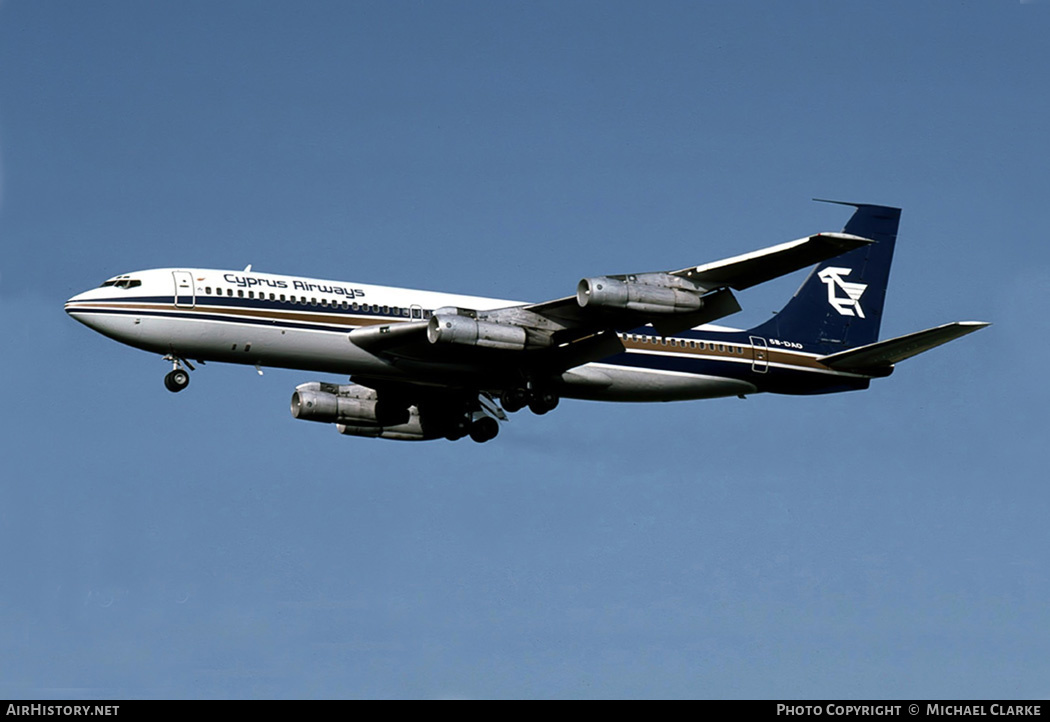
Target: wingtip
855,205
846,238
838,203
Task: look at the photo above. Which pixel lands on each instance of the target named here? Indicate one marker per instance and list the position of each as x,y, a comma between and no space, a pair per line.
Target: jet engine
464,330
329,403
650,293
360,411
357,411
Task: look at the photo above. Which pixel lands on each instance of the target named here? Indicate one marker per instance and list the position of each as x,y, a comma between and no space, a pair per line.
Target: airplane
427,365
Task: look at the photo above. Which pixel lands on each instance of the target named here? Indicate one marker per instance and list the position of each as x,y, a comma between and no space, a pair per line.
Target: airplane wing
566,332
710,281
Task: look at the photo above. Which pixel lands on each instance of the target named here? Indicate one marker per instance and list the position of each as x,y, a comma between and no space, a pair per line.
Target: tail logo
850,305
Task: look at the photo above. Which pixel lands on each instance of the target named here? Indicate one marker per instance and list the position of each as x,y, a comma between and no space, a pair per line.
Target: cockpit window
122,283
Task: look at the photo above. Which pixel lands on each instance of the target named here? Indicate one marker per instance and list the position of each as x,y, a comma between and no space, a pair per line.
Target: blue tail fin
839,306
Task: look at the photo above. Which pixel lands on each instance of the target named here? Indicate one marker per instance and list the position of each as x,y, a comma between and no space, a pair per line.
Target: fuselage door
760,355
185,295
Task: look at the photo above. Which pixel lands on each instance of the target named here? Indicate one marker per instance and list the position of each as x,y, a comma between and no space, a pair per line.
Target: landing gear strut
178,378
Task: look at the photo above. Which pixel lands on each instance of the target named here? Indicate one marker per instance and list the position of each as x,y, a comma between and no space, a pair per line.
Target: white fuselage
270,320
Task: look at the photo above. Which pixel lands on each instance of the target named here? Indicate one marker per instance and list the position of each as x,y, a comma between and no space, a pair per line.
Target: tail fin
839,306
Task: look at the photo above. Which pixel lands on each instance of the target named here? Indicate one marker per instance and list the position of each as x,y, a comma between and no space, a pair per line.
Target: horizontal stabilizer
883,354
751,269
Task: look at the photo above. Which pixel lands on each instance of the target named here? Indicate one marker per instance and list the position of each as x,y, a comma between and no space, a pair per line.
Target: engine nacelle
329,403
357,411
412,431
662,295
467,331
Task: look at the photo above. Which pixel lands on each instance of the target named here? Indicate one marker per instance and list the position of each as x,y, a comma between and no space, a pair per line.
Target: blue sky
887,543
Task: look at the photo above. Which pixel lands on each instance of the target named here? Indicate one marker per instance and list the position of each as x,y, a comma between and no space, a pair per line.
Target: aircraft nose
79,305
73,302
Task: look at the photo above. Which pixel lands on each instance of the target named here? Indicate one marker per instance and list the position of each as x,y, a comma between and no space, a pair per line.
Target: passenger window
251,294
240,294
207,290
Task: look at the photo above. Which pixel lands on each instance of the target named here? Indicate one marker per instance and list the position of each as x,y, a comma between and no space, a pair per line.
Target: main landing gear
455,418
178,378
484,429
539,400
478,426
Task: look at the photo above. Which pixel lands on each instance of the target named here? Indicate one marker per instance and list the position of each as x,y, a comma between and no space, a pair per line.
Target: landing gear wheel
484,429
542,402
513,399
457,429
176,380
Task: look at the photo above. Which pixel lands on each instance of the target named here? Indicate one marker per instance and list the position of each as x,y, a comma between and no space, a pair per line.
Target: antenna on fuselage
247,269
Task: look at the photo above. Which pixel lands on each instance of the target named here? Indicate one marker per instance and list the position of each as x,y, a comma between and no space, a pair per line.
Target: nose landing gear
178,378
